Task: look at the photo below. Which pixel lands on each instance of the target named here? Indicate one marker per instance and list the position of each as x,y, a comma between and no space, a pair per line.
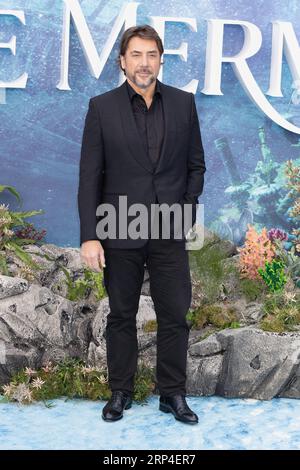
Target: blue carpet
223,424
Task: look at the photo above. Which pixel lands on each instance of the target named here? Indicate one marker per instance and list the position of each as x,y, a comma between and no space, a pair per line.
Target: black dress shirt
149,122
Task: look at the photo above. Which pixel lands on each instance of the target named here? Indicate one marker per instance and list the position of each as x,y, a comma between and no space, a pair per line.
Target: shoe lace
116,397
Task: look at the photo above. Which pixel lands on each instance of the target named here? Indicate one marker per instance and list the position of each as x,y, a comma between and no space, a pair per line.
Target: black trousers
170,286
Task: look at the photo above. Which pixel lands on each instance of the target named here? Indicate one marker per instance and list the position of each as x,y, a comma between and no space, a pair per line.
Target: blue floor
223,424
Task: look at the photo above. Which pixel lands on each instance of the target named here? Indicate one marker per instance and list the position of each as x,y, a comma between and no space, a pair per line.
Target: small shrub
224,318
282,311
273,275
80,288
10,223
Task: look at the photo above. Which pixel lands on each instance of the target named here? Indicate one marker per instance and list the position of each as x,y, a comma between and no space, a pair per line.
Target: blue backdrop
41,126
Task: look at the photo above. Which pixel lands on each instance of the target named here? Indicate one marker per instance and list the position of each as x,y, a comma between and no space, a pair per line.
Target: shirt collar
132,92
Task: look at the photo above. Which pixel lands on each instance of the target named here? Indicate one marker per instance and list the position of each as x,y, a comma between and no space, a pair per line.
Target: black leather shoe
177,405
118,402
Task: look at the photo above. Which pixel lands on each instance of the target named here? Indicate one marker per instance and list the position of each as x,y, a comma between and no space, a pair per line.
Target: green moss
223,318
272,323
150,326
73,379
198,318
234,324
220,317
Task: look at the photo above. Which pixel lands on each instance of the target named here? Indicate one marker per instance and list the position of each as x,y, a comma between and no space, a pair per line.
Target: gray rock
254,312
12,286
203,375
207,347
146,284
292,387
257,364
37,326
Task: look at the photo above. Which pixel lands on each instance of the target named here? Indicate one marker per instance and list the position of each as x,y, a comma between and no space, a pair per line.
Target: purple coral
31,233
277,234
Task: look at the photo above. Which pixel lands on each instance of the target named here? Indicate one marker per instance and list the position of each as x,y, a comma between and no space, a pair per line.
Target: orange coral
256,251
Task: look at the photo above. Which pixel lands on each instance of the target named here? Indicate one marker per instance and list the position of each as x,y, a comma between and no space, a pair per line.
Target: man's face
141,61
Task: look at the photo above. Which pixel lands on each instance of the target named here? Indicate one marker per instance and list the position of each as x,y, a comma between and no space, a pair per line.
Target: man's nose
144,61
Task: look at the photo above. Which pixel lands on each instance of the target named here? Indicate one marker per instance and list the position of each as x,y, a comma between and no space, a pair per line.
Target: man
142,140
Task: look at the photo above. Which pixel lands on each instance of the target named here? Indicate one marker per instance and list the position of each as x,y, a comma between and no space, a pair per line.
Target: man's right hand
92,255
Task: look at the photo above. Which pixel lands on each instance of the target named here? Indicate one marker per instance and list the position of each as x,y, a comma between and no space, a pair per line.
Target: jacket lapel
170,127
132,135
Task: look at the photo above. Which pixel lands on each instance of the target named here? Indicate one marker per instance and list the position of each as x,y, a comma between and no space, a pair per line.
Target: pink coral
256,251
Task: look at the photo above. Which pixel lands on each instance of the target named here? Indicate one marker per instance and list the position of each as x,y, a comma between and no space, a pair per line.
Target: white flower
98,369
102,379
21,393
290,296
3,208
86,370
8,232
48,367
7,389
37,383
29,371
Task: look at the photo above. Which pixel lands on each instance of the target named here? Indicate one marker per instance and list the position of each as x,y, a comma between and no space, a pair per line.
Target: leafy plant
273,275
80,288
144,383
12,190
9,241
71,378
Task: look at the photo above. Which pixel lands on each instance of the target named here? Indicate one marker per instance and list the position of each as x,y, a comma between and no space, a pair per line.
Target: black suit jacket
114,162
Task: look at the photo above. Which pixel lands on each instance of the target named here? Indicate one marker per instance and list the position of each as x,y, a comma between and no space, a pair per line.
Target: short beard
142,85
